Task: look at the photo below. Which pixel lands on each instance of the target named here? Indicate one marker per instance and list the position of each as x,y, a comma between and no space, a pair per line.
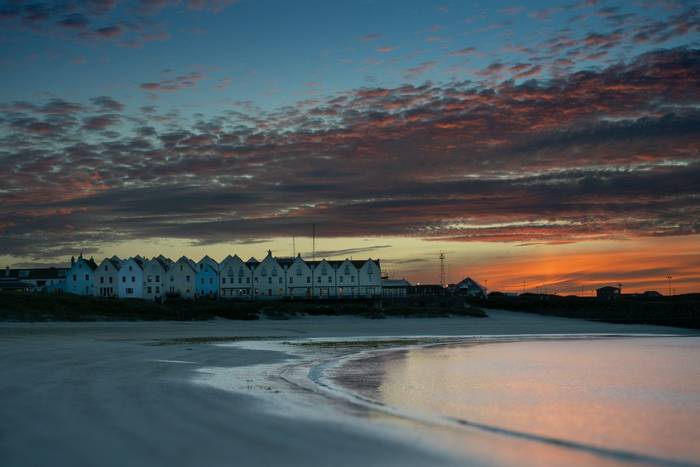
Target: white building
370,279
130,278
299,277
106,277
269,279
80,277
236,278
347,279
181,278
155,275
324,280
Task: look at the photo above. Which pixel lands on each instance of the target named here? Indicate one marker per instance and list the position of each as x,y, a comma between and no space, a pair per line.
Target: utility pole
442,269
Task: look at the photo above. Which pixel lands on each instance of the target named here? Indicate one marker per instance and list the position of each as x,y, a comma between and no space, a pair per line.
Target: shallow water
627,399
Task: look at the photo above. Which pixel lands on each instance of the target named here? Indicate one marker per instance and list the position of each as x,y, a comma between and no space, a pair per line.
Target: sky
541,145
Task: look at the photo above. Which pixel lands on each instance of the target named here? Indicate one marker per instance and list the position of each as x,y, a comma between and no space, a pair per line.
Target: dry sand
103,394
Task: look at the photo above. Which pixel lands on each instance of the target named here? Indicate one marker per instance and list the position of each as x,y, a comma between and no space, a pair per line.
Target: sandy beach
216,392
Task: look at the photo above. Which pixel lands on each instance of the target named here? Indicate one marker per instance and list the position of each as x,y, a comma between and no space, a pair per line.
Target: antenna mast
442,269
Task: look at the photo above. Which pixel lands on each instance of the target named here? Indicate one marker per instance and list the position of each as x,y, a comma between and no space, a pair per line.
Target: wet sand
86,394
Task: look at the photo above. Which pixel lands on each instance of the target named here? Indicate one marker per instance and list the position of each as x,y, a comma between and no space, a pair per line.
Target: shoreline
128,393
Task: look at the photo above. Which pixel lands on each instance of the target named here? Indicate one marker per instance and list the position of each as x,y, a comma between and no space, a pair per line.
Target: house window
274,272
240,280
347,270
264,272
133,278
129,291
352,278
149,289
269,280
157,289
291,280
247,280
318,279
202,281
123,279
330,279
110,280
280,280
187,278
150,278
181,267
129,268
87,277
240,272
106,268
157,278
308,279
74,278
211,281
102,280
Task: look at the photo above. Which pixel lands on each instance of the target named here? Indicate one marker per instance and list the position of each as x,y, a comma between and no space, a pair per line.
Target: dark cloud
604,153
173,84
107,104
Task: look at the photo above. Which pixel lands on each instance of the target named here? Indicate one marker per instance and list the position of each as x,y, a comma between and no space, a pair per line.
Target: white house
236,278
181,278
299,277
324,280
347,279
106,277
268,279
207,278
80,277
370,279
155,275
130,278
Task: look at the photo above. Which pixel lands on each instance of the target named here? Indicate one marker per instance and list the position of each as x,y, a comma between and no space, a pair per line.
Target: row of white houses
271,279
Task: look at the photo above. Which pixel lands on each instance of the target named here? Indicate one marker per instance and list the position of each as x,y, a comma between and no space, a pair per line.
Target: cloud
463,52
173,84
605,153
107,104
420,69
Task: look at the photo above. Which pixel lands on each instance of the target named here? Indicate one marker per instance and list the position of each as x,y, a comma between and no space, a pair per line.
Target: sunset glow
544,146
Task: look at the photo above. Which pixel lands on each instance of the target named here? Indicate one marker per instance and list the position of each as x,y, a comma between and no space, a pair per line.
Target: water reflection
625,396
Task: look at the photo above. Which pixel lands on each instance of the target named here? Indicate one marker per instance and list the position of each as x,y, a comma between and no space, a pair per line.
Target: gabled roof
207,258
469,283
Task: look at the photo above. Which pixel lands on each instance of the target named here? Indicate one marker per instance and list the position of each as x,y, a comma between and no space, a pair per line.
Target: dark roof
395,283
608,287
35,273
